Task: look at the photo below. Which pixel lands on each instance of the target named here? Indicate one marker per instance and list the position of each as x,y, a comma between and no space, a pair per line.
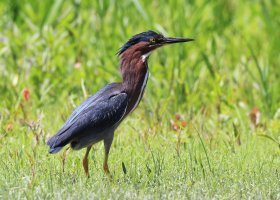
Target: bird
97,118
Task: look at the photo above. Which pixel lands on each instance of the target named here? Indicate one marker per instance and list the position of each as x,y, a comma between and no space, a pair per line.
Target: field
208,126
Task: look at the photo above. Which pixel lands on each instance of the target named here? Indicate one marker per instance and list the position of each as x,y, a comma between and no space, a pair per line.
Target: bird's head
148,41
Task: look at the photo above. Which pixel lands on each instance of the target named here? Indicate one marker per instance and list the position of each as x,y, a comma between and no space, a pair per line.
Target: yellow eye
152,40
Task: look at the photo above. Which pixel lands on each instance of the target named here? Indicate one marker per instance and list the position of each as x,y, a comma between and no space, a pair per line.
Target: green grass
214,83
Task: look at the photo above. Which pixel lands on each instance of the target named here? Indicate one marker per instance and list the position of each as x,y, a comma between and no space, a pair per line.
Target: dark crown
141,37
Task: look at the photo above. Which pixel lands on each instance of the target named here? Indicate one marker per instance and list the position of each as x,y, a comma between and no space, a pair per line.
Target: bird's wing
91,101
99,112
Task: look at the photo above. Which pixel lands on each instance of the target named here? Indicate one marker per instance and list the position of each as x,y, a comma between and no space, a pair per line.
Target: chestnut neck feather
134,71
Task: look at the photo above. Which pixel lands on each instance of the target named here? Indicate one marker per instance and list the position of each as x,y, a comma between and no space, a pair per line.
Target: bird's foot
106,168
107,171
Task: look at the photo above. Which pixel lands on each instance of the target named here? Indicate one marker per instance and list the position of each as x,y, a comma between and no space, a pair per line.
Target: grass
62,51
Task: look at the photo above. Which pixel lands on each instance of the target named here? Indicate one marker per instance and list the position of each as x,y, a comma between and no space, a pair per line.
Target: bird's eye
152,40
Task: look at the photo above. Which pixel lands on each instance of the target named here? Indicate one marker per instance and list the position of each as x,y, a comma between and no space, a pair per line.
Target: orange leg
107,146
85,161
105,165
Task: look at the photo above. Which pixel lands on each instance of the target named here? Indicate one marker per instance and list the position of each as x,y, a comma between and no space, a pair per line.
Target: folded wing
99,112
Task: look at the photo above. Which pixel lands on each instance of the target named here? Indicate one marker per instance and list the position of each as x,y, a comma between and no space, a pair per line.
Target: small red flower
184,124
9,127
26,94
179,123
178,117
255,116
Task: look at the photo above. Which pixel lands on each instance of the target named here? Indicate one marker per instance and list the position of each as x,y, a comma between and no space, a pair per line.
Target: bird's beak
170,40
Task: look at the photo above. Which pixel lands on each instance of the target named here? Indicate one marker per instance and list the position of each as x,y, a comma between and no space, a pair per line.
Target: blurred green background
55,53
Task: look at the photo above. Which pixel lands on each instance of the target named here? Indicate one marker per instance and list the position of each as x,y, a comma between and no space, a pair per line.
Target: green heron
97,118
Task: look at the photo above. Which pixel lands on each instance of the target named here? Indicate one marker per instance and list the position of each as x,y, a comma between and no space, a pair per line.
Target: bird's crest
141,37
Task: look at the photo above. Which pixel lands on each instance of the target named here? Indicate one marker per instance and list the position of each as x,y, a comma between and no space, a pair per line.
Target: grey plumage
91,121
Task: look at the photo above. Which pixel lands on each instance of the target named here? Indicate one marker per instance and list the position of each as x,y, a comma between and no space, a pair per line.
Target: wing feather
99,112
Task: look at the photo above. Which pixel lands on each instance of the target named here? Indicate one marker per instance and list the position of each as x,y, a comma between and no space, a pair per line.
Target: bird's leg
107,146
85,161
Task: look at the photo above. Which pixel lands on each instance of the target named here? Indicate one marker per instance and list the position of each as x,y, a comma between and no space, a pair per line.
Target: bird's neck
134,70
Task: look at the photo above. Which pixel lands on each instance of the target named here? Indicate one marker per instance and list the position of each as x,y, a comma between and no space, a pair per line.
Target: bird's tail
54,147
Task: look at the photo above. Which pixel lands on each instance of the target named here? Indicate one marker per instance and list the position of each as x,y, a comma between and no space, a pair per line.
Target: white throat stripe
142,89
145,56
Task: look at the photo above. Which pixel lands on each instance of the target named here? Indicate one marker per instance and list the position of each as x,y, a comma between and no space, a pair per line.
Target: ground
209,122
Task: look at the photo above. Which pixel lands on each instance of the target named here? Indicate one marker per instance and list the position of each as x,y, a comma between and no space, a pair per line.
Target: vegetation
196,133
